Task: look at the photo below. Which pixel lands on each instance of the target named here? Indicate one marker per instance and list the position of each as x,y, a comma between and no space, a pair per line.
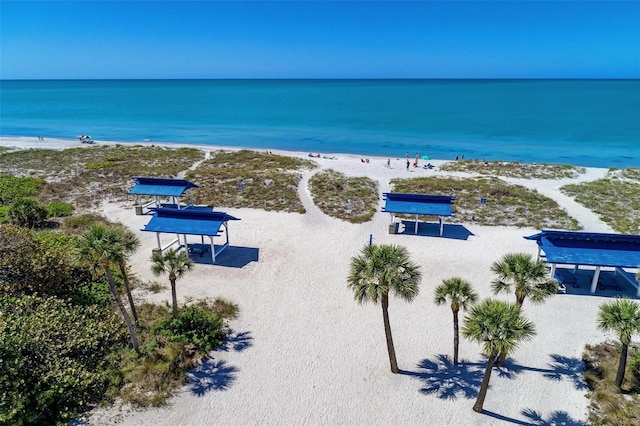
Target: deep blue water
581,122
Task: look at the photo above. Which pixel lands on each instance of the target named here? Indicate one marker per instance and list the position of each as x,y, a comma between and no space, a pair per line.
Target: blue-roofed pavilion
159,188
192,220
418,205
590,248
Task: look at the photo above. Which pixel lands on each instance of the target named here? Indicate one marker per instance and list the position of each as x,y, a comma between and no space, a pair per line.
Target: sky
304,39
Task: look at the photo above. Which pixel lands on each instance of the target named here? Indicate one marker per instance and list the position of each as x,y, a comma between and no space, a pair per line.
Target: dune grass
250,179
608,405
615,198
506,205
515,169
86,175
352,199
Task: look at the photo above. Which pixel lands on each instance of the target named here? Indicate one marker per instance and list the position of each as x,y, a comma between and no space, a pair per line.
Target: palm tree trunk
456,337
500,360
622,365
123,271
482,393
387,332
123,311
174,297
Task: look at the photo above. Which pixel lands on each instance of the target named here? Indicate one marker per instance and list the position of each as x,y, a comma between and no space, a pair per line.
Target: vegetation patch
515,169
104,171
250,179
506,205
352,199
13,188
615,199
609,405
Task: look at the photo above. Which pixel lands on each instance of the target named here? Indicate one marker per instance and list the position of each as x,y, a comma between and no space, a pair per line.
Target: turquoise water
581,122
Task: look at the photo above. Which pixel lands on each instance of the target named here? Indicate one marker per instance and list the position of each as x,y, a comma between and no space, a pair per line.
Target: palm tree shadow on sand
211,375
534,418
217,375
446,380
562,367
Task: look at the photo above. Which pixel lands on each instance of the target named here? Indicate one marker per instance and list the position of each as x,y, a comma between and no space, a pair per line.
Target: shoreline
28,142
315,356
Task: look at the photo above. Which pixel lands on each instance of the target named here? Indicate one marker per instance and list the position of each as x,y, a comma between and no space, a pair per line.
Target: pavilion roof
589,248
160,186
422,204
187,221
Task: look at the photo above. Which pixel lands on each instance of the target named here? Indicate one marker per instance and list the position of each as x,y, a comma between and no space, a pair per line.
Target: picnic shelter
418,205
199,221
160,188
597,250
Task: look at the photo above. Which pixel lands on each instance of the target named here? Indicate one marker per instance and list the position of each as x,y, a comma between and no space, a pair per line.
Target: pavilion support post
226,231
416,230
441,224
213,249
157,201
575,268
553,270
538,256
594,282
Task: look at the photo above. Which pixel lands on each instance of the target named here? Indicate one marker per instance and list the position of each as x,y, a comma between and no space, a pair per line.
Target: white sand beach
306,353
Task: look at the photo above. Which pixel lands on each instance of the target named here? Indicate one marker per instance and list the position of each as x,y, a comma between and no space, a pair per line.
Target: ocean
579,122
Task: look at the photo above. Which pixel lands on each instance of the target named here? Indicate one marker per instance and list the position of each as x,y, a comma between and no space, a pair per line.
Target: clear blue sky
149,39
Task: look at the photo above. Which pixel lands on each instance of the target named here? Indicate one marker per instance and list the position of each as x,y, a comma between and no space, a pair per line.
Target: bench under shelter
159,188
199,221
418,205
593,249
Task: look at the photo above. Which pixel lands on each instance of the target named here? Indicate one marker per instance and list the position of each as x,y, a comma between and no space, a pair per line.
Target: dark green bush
40,265
54,358
59,209
196,325
13,188
27,212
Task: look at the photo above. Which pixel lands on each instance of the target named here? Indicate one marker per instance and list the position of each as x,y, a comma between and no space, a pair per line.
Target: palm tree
174,263
498,326
460,295
377,270
622,316
100,245
128,243
528,277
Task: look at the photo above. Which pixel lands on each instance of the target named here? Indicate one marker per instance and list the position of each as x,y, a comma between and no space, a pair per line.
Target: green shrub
27,212
59,209
83,222
54,358
196,325
13,188
4,214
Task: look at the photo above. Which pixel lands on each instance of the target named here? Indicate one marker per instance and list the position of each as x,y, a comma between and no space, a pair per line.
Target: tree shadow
446,380
557,418
237,342
211,375
562,367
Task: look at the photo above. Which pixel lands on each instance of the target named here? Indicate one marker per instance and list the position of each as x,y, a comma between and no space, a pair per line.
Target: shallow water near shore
579,122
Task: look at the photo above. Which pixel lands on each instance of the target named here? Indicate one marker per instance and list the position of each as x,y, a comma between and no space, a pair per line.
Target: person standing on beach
407,158
388,163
